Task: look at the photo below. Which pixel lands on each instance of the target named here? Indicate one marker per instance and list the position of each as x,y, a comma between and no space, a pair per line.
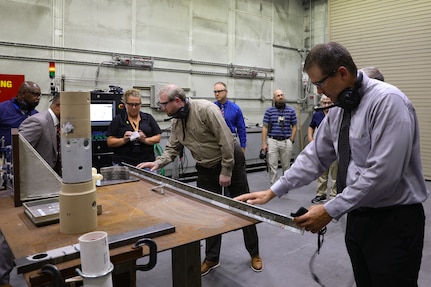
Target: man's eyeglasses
134,105
219,91
36,94
164,104
322,81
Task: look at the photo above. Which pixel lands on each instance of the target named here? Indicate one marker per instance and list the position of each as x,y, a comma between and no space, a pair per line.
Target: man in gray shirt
385,186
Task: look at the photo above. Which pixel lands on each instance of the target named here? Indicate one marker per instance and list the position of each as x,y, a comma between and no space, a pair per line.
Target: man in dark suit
41,130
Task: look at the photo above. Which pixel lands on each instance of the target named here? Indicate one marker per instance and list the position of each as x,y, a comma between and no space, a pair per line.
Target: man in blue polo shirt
14,111
278,135
232,113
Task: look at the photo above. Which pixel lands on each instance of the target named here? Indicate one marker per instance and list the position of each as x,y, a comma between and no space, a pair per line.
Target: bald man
278,135
14,111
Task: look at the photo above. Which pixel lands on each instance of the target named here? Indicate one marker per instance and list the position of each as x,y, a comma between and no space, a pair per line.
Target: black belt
370,210
203,168
279,138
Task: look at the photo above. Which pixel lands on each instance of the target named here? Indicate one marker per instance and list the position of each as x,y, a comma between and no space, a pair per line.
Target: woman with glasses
132,134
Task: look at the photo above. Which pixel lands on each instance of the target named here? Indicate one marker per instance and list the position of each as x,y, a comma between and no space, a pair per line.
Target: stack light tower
51,71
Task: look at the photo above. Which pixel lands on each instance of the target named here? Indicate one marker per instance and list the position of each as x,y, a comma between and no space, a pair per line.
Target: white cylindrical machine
78,208
95,261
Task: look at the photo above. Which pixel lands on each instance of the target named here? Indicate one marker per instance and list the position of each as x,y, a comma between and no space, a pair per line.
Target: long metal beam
252,211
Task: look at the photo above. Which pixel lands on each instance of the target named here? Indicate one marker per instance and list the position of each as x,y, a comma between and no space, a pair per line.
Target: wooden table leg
186,265
124,274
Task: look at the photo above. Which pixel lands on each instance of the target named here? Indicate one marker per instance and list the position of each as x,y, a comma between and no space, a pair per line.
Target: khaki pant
322,181
278,150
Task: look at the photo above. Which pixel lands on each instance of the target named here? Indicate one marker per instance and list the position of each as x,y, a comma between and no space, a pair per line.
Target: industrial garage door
394,36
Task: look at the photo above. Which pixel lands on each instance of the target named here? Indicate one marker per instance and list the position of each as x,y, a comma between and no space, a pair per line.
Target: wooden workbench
127,207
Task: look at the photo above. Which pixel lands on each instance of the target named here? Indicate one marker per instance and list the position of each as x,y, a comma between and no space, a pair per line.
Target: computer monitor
102,112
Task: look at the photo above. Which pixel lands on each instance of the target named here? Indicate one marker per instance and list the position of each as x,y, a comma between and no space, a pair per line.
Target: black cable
320,240
183,165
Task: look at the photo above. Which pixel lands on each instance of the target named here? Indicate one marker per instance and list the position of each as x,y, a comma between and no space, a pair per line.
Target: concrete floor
286,255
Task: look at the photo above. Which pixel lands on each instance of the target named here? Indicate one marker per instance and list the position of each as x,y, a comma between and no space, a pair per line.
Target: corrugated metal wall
394,36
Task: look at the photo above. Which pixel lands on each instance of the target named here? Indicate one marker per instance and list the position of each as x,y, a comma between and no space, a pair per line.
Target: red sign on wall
9,86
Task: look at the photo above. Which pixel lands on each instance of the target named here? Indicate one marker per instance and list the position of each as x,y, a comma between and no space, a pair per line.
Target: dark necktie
222,109
57,167
343,152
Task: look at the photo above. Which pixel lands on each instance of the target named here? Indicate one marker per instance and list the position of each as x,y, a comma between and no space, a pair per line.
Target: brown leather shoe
207,266
256,263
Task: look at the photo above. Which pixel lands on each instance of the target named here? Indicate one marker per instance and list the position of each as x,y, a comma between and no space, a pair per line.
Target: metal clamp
55,274
83,275
153,253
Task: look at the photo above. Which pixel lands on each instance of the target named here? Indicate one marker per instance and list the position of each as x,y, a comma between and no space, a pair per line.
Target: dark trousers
208,178
385,245
6,261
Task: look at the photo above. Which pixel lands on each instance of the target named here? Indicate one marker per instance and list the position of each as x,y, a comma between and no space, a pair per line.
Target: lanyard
134,124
